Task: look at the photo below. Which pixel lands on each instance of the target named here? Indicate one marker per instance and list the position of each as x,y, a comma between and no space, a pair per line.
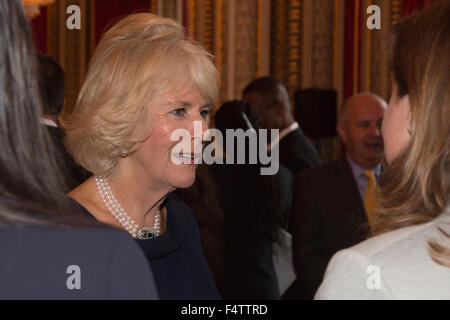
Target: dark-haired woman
45,251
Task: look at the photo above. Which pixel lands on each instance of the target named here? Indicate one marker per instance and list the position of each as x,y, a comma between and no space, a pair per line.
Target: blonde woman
146,80
410,257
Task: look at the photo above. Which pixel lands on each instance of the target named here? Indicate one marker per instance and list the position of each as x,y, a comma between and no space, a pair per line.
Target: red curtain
39,30
108,12
352,49
411,6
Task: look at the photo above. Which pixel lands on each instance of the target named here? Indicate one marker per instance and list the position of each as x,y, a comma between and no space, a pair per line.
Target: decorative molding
264,26
190,18
71,48
230,52
246,48
286,42
208,22
154,6
319,45
338,49
379,70
277,43
293,46
307,43
366,53
322,63
356,46
396,8
218,34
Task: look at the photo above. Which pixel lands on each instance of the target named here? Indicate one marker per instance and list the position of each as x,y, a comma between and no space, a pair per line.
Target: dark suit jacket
297,152
327,215
249,271
73,173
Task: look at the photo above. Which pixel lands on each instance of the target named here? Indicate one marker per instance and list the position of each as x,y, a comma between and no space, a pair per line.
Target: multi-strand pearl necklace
119,213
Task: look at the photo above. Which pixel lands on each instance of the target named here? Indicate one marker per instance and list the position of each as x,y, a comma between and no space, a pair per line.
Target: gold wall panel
71,48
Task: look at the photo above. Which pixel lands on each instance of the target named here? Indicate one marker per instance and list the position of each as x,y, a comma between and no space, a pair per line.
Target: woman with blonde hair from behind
410,256
146,82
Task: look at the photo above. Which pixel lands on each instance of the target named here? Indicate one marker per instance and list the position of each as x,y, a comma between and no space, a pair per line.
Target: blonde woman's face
396,124
166,163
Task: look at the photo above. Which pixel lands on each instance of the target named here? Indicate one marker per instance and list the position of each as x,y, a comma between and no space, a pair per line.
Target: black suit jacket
297,152
327,215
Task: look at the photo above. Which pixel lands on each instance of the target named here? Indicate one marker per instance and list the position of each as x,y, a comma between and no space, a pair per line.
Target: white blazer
394,265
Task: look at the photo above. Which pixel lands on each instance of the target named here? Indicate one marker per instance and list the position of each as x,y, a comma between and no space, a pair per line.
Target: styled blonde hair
415,188
139,59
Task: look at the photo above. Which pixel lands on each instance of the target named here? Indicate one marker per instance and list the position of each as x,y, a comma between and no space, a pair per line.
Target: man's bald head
354,101
359,127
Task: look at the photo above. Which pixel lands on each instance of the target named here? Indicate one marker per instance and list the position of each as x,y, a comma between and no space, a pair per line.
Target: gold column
278,17
71,48
293,46
208,38
395,11
286,42
263,38
356,47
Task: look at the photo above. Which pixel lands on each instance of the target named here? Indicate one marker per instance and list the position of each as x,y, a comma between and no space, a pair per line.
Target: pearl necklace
119,213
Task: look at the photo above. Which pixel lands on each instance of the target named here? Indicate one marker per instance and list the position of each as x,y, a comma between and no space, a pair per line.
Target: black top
73,173
297,152
249,271
35,263
177,259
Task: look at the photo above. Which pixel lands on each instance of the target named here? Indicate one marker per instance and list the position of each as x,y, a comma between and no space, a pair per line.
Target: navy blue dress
177,259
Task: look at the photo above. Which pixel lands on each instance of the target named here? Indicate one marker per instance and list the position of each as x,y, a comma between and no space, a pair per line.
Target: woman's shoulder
41,260
403,239
392,265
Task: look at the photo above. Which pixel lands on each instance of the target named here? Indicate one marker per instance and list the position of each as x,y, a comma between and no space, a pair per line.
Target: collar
48,122
358,170
294,126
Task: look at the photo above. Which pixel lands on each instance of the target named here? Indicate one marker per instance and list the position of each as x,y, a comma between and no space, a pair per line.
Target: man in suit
331,208
51,88
271,100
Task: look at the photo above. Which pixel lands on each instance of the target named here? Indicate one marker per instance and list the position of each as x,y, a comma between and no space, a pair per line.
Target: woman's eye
204,113
178,112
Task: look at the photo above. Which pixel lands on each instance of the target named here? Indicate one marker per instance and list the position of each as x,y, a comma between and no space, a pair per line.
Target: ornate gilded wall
301,42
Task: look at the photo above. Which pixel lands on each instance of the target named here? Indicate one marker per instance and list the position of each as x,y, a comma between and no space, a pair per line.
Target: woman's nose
199,128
